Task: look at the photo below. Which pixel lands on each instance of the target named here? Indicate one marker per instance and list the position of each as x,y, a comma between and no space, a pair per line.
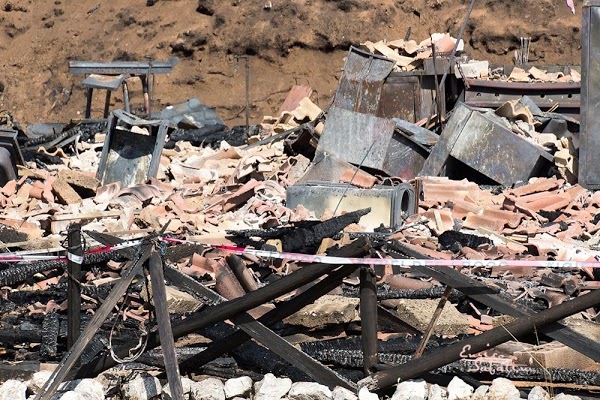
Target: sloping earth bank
289,41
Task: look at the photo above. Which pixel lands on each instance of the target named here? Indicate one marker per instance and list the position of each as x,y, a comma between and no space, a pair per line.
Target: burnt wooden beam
223,311
494,298
434,319
74,260
270,340
70,358
282,310
487,340
368,318
167,342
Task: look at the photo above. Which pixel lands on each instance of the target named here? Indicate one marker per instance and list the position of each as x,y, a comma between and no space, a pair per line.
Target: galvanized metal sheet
357,138
361,83
400,98
589,167
122,67
496,152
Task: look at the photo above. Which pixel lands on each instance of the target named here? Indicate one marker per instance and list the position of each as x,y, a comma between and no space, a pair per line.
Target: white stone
272,388
186,384
13,390
459,389
90,389
341,393
309,391
480,393
238,387
503,389
142,388
538,393
563,396
436,392
208,389
364,394
38,380
71,395
411,390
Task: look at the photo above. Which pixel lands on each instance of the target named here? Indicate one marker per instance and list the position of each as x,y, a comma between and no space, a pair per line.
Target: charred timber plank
520,327
50,331
75,258
305,237
368,318
71,356
274,342
159,295
233,307
501,302
434,319
226,344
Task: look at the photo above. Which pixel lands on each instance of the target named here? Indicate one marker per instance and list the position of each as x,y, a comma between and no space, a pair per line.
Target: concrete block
65,193
13,390
327,310
309,391
418,314
341,393
503,389
178,302
459,389
238,387
552,355
208,389
411,390
142,388
79,179
272,388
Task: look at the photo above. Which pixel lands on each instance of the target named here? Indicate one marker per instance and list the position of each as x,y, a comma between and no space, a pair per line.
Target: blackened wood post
434,319
368,318
71,356
231,308
74,261
487,340
159,295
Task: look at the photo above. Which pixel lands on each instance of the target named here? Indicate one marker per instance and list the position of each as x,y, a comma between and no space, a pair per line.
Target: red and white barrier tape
309,258
20,257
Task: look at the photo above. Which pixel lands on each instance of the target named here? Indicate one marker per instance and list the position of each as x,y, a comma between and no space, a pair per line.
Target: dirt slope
289,41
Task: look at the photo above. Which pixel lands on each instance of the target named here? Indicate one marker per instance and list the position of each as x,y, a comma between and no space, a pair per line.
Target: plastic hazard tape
310,258
22,257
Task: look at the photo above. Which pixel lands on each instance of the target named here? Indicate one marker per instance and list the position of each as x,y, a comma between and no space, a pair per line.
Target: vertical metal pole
165,331
75,259
88,103
107,103
368,318
438,98
247,95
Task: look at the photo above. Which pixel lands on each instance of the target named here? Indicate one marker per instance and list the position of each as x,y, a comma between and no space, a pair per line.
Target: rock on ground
38,380
272,388
142,388
90,389
309,391
459,390
208,389
238,387
563,396
436,392
186,383
13,390
364,394
71,395
538,393
411,390
341,393
503,389
480,393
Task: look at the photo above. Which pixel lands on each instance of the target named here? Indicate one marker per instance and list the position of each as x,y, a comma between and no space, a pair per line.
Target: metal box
390,205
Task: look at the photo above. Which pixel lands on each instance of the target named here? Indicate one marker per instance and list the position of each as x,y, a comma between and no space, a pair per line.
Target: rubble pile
351,250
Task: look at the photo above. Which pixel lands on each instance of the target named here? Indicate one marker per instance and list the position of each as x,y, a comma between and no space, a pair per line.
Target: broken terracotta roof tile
474,221
551,202
537,185
358,178
460,208
510,219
